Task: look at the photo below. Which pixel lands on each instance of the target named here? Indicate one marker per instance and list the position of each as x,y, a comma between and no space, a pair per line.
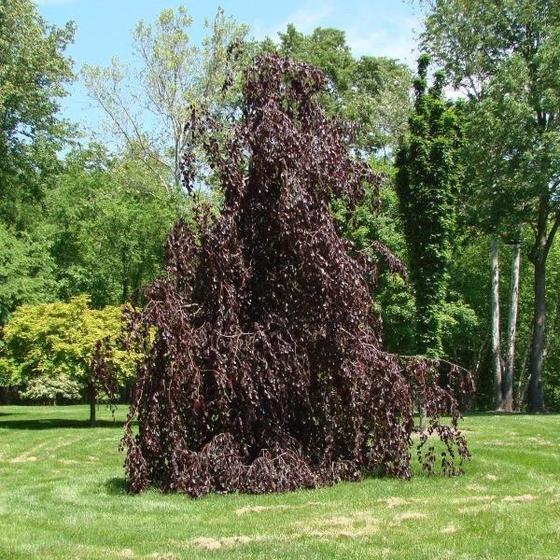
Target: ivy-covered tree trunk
495,320
507,393
427,183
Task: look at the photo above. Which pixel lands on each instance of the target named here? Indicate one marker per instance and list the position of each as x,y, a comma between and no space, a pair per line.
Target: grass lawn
62,496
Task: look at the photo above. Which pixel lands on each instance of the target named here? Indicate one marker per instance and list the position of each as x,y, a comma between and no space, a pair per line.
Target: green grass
62,496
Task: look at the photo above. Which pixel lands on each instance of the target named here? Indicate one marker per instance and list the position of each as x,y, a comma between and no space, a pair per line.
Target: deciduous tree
266,371
505,54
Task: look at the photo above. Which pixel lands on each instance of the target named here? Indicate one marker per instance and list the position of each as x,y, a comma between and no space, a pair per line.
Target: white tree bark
507,401
495,321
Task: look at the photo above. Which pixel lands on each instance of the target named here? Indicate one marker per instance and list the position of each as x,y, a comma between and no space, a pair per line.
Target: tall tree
506,55
507,386
265,370
33,73
148,108
427,179
107,223
372,92
495,338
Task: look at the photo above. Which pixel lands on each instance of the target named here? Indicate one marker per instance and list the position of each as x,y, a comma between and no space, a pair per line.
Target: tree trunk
125,275
521,383
536,396
495,321
92,402
507,389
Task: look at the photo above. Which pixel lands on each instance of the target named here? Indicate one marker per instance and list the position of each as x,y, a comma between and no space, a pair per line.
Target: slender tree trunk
507,401
536,395
521,382
92,396
539,254
125,275
495,321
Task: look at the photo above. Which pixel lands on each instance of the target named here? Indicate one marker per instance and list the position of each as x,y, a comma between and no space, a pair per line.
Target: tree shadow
116,486
53,423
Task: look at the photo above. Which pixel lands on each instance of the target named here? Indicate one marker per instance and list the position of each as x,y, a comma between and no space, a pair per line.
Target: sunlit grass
62,496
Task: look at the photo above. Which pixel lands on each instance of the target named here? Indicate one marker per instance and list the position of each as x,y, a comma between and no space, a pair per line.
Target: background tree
427,181
33,73
48,348
27,270
505,54
107,223
371,92
149,104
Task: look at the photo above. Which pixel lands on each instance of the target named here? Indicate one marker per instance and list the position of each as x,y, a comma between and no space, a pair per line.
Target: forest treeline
467,146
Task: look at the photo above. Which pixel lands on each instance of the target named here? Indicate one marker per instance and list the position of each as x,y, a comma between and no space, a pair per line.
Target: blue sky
104,27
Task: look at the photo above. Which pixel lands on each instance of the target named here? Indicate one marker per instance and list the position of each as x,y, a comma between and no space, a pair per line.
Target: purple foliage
265,370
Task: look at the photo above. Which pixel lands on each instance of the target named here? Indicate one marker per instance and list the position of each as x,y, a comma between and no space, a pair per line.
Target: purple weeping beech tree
264,368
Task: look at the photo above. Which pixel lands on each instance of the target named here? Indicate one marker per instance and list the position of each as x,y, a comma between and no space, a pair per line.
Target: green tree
47,349
149,110
506,55
427,179
26,270
33,73
372,92
107,224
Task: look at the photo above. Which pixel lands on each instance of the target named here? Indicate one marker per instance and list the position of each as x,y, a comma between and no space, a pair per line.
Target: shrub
48,348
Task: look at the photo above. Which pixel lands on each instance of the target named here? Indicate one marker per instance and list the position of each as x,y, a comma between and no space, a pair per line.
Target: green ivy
427,181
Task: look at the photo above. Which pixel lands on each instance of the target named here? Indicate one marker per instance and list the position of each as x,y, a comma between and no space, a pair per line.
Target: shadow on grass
497,413
53,423
116,486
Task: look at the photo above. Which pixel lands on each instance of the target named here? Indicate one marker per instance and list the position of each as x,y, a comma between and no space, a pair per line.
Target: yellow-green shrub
47,348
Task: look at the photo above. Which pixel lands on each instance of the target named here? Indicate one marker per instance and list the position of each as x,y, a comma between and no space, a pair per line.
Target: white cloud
378,34
397,39
305,19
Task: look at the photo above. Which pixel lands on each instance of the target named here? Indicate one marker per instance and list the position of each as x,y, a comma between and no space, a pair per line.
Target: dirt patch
473,499
23,459
449,530
280,507
518,499
396,501
491,477
261,509
540,441
360,524
209,543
